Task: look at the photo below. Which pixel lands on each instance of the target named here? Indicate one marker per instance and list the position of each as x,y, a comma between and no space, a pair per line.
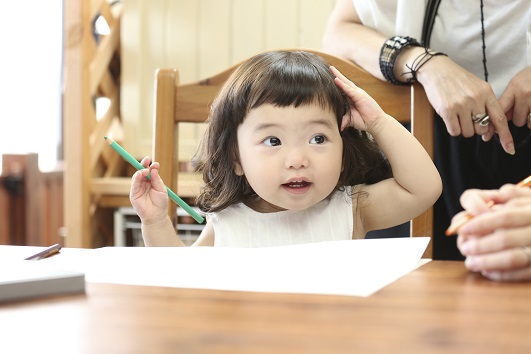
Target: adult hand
497,241
457,96
516,99
149,197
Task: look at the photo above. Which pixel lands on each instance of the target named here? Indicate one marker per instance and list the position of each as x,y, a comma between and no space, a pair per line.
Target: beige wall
200,38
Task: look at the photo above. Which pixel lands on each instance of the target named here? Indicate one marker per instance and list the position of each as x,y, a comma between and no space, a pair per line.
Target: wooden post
92,70
77,107
422,129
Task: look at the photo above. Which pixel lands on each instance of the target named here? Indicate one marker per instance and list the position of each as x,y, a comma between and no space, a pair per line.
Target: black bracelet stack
419,62
390,51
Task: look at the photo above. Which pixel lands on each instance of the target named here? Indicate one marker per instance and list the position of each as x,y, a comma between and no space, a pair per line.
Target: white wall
200,38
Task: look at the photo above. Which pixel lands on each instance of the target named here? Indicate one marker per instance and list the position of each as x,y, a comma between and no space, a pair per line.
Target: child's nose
297,158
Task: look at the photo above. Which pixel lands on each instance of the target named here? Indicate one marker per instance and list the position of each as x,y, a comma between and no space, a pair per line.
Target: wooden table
439,308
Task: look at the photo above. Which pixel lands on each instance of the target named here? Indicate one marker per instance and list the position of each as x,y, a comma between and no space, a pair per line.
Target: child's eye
318,139
272,141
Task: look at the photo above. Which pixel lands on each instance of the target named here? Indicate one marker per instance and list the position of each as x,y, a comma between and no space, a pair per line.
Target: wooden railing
92,72
31,202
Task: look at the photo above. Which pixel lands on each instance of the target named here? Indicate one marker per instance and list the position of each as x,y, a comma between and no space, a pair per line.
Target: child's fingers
341,77
135,178
145,161
345,123
136,183
154,165
348,87
156,181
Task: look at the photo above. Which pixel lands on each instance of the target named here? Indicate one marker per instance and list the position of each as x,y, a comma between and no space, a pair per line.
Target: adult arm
455,94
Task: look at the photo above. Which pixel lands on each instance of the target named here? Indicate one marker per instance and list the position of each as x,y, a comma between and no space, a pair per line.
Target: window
30,84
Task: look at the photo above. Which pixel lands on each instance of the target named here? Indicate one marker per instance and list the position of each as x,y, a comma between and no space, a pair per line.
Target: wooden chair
175,103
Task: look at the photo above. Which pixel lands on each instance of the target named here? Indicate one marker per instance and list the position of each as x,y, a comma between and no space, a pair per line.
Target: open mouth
297,184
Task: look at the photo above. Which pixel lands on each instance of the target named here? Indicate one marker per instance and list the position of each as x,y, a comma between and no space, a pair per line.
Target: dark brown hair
283,79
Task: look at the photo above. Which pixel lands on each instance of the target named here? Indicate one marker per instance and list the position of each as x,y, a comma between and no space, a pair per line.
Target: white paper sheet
355,268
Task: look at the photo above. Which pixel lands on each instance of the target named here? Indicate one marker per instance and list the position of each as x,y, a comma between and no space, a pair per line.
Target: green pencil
139,166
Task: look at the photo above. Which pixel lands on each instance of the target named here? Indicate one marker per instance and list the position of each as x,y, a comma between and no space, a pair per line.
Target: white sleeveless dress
329,220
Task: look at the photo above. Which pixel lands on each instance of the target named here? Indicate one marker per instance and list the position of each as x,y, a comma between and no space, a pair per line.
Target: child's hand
149,197
364,111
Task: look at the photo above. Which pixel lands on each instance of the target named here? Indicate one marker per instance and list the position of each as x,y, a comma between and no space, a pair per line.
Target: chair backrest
175,103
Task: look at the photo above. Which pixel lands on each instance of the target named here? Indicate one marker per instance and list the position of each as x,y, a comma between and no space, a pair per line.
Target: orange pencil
452,230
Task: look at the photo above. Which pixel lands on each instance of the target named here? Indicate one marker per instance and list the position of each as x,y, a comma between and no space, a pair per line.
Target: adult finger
489,134
511,259
511,192
504,218
476,201
516,98
479,114
466,123
499,121
512,275
497,241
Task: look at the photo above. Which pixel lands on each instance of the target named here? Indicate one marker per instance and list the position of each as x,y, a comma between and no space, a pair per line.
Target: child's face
291,157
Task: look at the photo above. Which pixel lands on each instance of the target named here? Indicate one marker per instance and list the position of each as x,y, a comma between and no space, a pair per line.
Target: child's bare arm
415,186
161,234
416,183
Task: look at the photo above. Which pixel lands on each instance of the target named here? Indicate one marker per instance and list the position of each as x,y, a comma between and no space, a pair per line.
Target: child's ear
238,170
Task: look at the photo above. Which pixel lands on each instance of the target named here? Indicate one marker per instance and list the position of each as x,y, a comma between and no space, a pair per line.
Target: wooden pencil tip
525,183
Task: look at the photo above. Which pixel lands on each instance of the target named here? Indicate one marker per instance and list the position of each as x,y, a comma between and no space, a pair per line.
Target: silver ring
484,122
529,118
478,117
527,252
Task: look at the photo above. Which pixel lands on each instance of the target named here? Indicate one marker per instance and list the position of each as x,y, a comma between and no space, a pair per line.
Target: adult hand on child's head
458,95
364,111
149,197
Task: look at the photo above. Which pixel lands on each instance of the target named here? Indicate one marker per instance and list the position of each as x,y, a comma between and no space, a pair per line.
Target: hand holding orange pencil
454,227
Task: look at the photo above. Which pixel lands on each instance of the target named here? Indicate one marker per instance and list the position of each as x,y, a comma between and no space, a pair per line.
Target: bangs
296,79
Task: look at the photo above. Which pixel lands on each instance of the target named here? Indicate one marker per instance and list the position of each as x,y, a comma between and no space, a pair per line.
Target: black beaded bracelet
390,51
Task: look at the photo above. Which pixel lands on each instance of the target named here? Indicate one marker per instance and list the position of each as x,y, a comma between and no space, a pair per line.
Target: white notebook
30,279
